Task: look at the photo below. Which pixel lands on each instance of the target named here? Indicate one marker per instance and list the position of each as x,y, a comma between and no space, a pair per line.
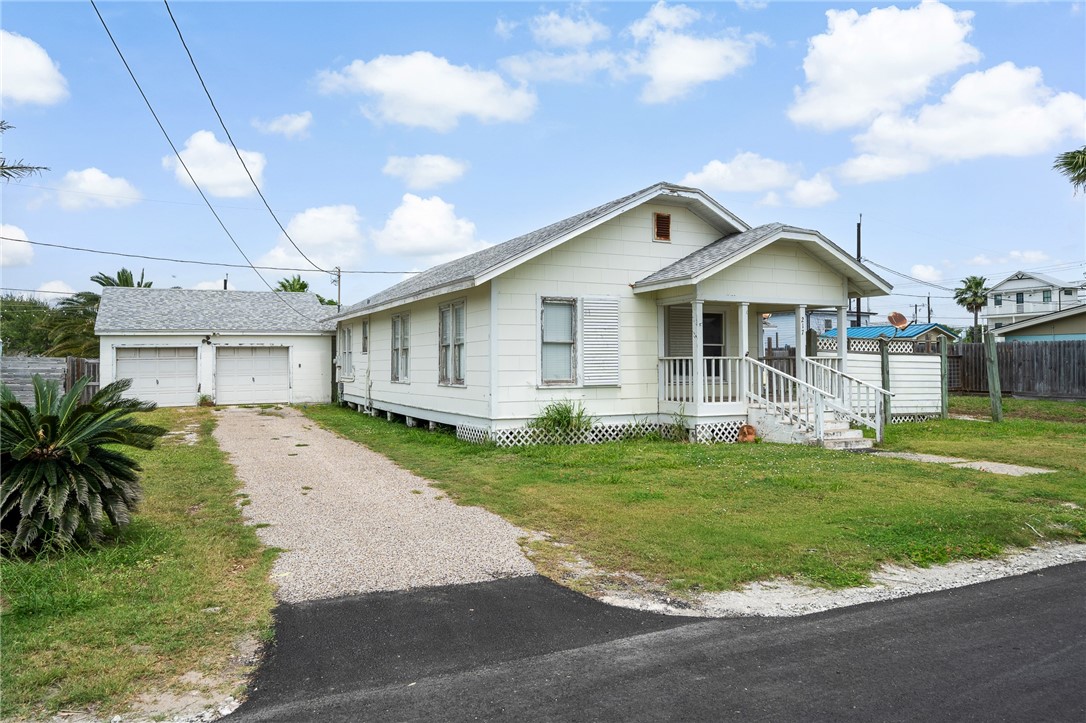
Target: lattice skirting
712,433
898,418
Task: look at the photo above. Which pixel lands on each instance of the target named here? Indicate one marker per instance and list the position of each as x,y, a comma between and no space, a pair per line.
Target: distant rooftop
912,331
125,309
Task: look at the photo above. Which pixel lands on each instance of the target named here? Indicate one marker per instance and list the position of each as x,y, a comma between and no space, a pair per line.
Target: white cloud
1002,111
676,63
504,28
54,291
814,191
866,65
752,4
770,199
564,31
27,73
579,66
13,253
1025,258
217,284
426,91
426,227
1029,257
422,172
745,172
982,260
329,235
216,167
290,125
926,272
93,188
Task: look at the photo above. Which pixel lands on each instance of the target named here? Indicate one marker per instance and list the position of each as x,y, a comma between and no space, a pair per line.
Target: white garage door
252,375
165,375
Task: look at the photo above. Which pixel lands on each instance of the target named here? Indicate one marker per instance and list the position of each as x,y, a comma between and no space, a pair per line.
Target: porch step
846,439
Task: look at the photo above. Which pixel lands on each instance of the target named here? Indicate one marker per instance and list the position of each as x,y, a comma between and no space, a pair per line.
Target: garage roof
131,310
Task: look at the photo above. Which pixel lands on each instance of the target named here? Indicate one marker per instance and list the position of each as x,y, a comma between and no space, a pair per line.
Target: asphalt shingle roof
467,268
126,309
707,257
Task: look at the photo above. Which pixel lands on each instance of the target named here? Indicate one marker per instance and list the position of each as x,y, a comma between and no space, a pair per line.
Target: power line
231,139
185,261
906,276
39,291
185,165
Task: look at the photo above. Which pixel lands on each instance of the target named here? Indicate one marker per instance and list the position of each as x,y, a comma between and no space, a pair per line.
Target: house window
1046,295
999,324
401,334
827,324
346,353
1067,292
1019,298
450,354
999,299
661,226
365,337
558,348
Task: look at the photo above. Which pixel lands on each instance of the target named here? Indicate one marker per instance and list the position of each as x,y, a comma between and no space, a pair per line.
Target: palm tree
124,278
294,283
1073,165
973,295
63,474
15,169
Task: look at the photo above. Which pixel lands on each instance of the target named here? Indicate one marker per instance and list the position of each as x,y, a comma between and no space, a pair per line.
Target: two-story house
1024,295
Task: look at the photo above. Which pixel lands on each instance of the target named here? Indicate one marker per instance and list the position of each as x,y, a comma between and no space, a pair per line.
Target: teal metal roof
912,331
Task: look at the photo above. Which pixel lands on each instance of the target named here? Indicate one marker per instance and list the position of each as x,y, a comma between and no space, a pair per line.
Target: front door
712,334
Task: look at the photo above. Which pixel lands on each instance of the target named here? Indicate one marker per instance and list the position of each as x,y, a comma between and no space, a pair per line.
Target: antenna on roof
225,282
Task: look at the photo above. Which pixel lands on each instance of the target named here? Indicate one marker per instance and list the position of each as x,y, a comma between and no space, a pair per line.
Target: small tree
973,295
293,283
25,324
62,474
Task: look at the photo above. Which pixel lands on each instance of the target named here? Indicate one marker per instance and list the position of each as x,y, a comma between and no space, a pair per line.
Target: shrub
563,421
62,474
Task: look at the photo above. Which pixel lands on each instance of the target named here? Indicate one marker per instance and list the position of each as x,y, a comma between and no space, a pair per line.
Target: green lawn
714,517
96,628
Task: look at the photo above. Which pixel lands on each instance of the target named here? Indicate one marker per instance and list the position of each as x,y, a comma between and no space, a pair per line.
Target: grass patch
714,517
1036,409
95,628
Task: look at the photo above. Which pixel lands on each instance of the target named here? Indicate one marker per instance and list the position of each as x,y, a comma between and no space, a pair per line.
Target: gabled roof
912,331
1042,319
711,259
1043,278
481,266
128,310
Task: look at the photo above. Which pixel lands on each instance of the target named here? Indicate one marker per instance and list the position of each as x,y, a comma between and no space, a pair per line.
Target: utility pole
929,308
858,260
338,273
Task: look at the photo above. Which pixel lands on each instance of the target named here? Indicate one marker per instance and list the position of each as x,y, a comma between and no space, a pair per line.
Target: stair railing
856,400
803,404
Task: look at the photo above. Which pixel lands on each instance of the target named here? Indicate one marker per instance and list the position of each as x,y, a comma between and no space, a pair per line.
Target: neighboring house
924,336
1066,325
1024,295
236,347
779,328
645,309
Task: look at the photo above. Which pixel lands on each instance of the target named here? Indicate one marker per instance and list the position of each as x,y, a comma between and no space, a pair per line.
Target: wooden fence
1043,369
17,373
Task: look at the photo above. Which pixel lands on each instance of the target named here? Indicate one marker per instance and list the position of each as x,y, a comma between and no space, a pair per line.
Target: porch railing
787,397
855,399
719,380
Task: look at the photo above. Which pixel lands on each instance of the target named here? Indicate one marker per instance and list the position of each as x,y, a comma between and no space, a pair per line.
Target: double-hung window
366,337
346,353
999,299
1046,296
559,345
450,354
401,335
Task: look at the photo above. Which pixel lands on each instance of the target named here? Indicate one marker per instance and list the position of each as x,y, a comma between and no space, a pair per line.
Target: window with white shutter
558,341
600,340
680,331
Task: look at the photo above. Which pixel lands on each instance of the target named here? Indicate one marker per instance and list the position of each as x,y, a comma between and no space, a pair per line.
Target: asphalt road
525,649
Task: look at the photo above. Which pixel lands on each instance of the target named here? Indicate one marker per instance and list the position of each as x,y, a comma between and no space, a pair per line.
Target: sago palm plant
63,476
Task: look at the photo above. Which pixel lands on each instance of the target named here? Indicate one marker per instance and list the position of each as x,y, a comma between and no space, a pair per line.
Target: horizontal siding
780,273
914,380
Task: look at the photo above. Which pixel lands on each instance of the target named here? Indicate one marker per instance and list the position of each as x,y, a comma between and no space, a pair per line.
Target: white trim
494,342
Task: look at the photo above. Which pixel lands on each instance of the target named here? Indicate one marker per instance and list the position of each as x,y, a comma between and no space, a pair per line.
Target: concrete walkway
1015,470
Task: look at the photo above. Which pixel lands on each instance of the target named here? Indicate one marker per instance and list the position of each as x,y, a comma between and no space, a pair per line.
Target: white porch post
842,338
801,341
744,347
699,352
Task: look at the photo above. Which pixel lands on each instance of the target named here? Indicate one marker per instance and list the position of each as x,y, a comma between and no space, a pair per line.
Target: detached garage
236,347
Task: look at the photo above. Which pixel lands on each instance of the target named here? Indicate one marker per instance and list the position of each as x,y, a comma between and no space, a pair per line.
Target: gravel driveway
349,519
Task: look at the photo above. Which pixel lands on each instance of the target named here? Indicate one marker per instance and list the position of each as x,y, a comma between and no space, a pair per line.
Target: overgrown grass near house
172,593
714,517
1037,409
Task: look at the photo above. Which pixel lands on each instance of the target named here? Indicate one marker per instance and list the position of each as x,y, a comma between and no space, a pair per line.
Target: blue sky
388,137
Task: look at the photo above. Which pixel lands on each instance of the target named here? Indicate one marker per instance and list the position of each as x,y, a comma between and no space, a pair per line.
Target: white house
1025,294
646,310
235,347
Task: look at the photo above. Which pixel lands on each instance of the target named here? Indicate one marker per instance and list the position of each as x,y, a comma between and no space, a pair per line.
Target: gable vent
662,226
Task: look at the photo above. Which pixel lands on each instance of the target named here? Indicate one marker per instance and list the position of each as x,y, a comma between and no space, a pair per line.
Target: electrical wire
186,261
234,145
906,276
181,160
